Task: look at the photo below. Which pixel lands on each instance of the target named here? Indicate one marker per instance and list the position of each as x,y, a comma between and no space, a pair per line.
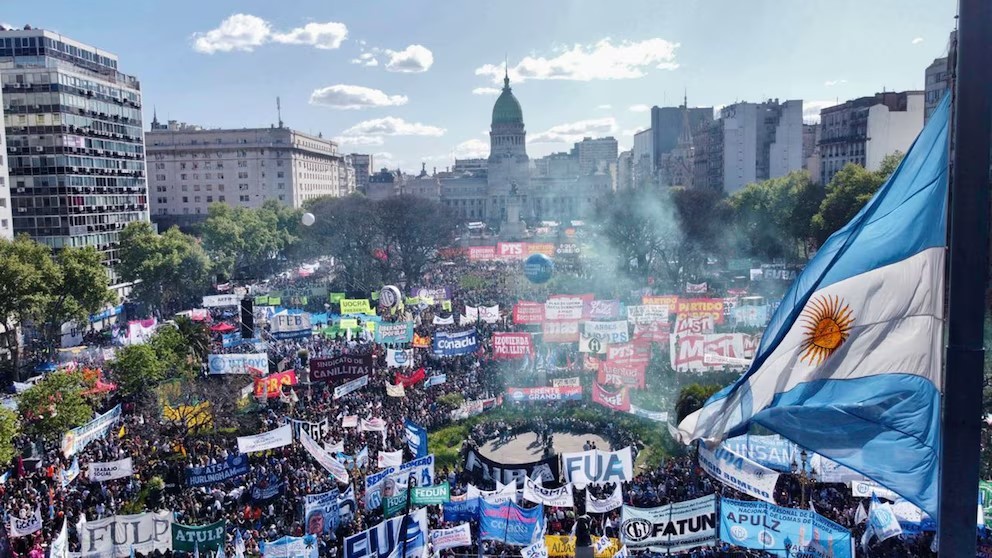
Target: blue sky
579,67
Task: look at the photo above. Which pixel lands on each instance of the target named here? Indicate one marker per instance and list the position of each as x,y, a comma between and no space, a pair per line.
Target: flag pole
968,233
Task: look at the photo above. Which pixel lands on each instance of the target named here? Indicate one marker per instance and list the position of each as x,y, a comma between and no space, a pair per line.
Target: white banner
285,325
102,472
560,497
865,489
24,527
372,425
560,382
610,332
673,528
438,320
399,358
331,465
349,421
489,314
647,314
395,391
385,540
237,363
451,538
739,472
116,536
387,459
77,438
592,345
214,301
348,387
582,468
564,308
60,544
471,314
282,436
538,549
611,502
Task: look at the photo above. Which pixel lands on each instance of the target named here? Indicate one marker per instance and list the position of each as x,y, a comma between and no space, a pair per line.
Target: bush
452,400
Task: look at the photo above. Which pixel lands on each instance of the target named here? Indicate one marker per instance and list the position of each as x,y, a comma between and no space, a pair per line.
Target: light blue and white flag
882,523
850,365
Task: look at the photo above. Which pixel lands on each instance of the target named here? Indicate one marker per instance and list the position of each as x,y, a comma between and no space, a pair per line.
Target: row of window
35,77
82,123
76,201
39,45
48,161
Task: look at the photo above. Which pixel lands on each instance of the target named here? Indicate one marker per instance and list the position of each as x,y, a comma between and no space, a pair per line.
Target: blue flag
850,365
416,438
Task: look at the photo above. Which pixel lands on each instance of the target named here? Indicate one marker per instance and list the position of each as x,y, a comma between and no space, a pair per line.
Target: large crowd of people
254,514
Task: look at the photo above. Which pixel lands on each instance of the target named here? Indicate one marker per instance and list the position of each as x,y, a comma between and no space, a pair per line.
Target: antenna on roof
279,111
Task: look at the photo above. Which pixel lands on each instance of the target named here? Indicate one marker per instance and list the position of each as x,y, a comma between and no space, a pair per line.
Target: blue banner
465,509
773,529
322,512
394,333
233,466
510,524
454,344
772,451
232,339
416,438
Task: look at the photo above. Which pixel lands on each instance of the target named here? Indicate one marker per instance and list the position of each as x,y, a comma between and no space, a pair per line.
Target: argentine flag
850,365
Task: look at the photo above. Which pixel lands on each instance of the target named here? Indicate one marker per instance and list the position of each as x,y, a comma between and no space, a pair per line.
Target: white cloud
352,97
384,159
917,40
811,109
638,108
602,60
605,107
392,126
326,36
471,149
833,82
575,131
411,60
485,91
365,59
630,132
359,140
245,32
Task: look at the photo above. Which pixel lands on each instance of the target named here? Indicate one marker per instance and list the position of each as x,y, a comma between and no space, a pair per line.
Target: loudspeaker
247,318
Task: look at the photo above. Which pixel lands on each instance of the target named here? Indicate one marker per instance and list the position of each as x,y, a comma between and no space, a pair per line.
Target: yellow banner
195,416
564,545
355,306
349,323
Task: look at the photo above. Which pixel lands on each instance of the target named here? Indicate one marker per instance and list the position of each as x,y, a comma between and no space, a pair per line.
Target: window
280,174
182,166
282,197
185,199
182,176
196,199
220,199
160,166
210,199
242,175
281,186
209,175
243,187
210,187
243,164
243,198
220,187
184,187
196,187
159,177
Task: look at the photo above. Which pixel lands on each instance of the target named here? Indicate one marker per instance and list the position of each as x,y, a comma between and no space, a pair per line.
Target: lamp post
804,473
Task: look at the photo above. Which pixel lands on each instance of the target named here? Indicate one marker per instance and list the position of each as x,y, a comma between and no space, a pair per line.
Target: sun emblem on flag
827,322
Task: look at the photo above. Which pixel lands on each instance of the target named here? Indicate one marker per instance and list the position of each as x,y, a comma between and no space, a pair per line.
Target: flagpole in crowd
968,232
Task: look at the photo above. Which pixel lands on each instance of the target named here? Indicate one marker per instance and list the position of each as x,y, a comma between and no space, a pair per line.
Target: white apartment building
190,168
761,141
6,226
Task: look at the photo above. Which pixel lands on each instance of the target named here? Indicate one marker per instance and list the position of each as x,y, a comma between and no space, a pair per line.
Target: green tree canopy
691,399
173,268
136,368
247,242
54,406
350,229
773,218
78,288
9,429
849,190
414,229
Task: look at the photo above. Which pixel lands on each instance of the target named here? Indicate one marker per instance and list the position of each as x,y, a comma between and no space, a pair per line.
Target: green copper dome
507,108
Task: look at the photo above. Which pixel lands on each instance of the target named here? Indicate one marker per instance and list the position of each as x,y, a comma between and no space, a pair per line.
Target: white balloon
309,219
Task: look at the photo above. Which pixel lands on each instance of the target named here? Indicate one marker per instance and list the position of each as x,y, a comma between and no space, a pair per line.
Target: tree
78,288
195,336
692,398
414,229
351,230
26,269
173,270
249,242
773,217
54,406
136,368
9,429
849,190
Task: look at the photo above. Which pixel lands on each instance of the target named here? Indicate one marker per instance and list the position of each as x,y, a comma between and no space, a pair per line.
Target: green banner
375,295
261,301
985,499
394,505
412,300
275,301
446,305
335,298
355,306
204,537
431,495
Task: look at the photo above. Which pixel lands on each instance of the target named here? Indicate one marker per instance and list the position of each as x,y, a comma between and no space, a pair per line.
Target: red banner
528,313
481,253
546,248
629,376
423,342
654,332
700,307
274,383
671,301
512,345
619,401
628,354
411,380
561,332
590,362
511,250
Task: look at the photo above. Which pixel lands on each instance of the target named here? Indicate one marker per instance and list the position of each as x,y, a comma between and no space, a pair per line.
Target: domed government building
508,187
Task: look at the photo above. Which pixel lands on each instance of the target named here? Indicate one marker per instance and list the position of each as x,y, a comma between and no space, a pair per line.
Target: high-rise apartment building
363,164
191,167
74,141
865,130
761,141
666,128
6,226
937,79
594,155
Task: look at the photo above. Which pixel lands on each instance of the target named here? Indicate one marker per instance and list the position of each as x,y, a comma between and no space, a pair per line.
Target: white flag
395,391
